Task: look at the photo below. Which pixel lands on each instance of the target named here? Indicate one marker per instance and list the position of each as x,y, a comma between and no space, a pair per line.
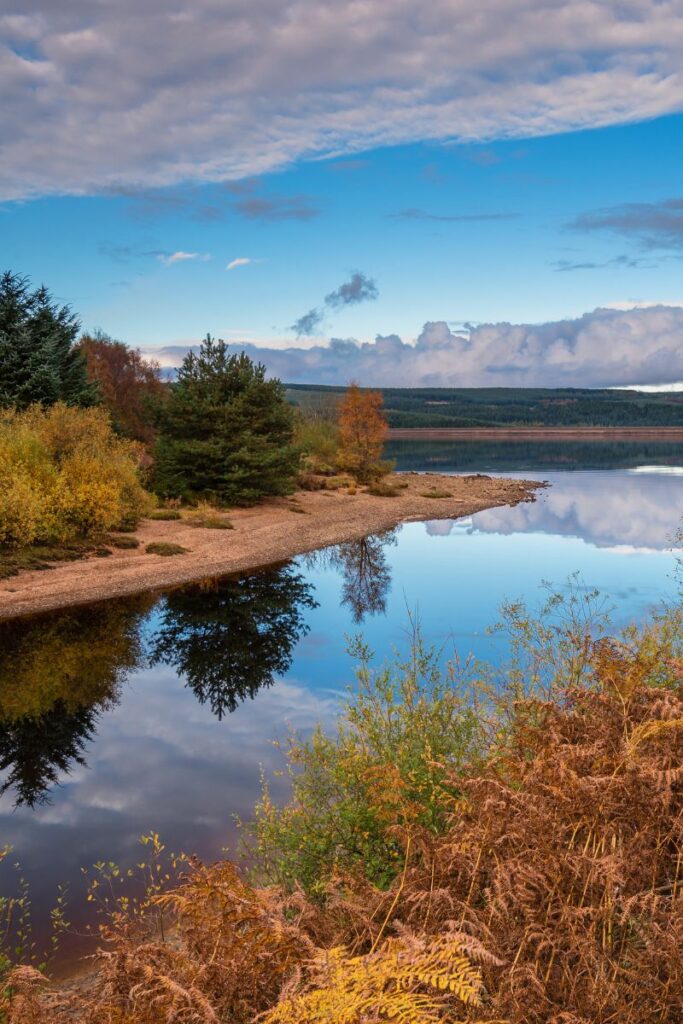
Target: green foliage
65,476
165,549
125,542
169,514
506,407
403,733
39,361
317,437
226,433
384,489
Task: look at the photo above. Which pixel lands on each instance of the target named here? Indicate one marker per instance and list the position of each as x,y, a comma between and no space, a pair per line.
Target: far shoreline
666,434
274,531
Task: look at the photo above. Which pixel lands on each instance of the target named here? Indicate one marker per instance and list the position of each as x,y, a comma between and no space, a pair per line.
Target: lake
159,712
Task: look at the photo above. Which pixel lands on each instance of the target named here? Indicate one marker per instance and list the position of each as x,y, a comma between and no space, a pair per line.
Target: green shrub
163,514
208,522
403,730
381,489
335,483
125,543
318,441
65,476
165,549
435,492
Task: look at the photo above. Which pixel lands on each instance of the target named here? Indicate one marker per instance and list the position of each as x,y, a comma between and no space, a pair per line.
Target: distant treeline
509,407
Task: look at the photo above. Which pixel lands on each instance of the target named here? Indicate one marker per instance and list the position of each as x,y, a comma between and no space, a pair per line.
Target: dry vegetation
532,870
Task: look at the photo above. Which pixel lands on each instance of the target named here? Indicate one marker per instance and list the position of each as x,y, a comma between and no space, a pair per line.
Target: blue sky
461,190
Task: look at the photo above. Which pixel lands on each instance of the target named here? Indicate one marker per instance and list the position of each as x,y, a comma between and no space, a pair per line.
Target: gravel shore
272,531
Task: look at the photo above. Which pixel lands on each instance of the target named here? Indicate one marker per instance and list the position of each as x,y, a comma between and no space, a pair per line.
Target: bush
318,441
163,514
126,543
164,549
435,493
65,476
404,729
382,489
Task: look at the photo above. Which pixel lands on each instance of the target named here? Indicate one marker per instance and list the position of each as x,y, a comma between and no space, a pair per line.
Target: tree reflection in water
57,674
364,569
229,637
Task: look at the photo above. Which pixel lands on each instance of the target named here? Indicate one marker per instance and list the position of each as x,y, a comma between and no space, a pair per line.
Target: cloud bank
608,347
146,93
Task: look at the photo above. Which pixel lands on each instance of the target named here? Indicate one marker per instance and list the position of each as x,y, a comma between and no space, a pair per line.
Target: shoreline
264,534
535,434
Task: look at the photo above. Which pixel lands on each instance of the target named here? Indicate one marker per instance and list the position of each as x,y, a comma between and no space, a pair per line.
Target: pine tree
225,431
39,361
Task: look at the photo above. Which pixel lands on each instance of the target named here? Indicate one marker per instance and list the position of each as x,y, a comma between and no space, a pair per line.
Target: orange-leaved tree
362,433
131,386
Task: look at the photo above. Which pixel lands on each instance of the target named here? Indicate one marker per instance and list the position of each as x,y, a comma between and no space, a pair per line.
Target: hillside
496,407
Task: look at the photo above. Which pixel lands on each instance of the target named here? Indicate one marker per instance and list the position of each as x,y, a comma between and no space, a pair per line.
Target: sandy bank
270,532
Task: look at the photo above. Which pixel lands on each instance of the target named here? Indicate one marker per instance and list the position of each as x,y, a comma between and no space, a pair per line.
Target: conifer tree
39,361
225,431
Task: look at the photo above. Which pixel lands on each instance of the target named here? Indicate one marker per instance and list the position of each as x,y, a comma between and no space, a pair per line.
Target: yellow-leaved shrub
65,476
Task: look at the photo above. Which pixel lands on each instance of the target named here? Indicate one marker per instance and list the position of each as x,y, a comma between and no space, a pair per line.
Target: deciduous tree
362,433
130,385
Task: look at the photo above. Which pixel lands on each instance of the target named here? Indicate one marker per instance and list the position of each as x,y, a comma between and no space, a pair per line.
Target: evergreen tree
225,431
39,361
231,638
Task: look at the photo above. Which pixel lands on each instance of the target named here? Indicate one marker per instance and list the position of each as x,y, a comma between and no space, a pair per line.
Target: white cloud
181,257
604,348
241,261
140,92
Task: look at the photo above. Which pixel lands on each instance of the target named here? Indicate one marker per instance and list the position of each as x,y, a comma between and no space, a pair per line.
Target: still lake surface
160,712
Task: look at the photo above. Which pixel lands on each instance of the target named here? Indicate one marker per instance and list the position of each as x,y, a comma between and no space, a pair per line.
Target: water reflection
57,675
536,456
623,511
365,571
228,638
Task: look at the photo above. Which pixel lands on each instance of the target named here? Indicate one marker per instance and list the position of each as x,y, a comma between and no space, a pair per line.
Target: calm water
157,713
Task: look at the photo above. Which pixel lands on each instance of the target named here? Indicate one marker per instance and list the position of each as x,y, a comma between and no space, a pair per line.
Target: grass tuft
165,514
383,490
435,493
14,561
125,543
162,548
209,522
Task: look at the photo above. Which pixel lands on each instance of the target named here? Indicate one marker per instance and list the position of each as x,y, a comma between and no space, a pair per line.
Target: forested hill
496,407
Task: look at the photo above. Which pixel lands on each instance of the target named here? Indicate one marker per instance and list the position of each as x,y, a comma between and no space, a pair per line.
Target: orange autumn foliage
129,384
362,433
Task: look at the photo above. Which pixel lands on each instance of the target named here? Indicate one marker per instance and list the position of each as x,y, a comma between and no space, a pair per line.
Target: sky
464,192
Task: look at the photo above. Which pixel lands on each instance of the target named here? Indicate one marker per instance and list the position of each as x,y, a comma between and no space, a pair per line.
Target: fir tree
39,361
225,431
